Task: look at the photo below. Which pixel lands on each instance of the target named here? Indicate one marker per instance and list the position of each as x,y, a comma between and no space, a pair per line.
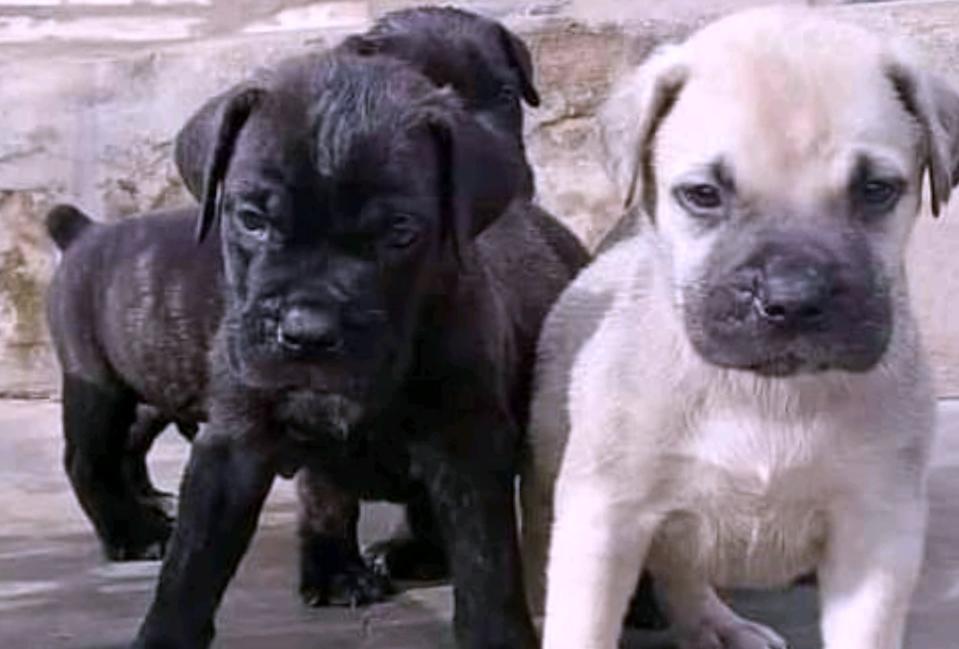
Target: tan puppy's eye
700,198
879,195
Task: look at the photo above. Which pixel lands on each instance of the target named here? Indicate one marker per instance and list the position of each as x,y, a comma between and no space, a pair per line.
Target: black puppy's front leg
223,489
331,569
473,496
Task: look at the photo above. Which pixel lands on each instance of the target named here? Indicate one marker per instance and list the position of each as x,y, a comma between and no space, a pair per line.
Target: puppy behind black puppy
131,310
488,66
382,307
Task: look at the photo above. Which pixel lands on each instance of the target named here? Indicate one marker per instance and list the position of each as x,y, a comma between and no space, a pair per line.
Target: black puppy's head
346,188
487,65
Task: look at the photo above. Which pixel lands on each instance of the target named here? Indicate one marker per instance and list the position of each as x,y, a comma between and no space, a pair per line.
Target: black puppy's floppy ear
481,173
232,116
193,142
521,61
362,44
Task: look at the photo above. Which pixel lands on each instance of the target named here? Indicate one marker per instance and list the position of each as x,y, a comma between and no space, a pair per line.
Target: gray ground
56,591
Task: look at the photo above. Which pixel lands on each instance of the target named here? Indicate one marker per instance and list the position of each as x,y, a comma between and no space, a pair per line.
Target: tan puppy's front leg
871,568
598,545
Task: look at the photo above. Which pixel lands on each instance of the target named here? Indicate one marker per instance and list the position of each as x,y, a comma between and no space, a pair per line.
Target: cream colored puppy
736,393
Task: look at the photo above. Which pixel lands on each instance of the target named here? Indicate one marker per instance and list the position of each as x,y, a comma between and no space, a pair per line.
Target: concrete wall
93,92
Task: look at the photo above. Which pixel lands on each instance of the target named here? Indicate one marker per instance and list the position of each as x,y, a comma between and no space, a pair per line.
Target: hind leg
701,620
147,426
96,427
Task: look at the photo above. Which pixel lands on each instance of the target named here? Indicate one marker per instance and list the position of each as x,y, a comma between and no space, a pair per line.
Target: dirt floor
56,592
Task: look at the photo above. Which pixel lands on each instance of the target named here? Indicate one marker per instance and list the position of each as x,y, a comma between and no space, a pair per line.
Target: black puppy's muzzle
310,329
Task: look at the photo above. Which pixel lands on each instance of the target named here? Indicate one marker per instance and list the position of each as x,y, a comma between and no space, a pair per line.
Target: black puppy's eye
879,194
700,197
253,223
402,233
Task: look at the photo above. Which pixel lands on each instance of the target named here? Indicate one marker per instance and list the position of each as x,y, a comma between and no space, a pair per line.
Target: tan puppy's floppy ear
945,99
935,105
630,118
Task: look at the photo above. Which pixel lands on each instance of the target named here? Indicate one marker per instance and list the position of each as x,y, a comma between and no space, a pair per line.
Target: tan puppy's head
781,157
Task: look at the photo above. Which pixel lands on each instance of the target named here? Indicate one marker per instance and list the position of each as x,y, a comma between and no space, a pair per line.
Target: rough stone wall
94,91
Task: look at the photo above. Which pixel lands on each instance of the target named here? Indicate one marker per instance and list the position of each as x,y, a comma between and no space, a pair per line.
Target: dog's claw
356,586
407,559
150,530
741,634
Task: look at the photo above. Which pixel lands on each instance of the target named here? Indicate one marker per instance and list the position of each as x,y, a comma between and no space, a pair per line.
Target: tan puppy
736,394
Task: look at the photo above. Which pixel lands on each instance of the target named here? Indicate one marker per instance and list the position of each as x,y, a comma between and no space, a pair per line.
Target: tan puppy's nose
793,292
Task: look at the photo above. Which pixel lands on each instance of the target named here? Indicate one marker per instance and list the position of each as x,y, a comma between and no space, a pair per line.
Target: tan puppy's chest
747,503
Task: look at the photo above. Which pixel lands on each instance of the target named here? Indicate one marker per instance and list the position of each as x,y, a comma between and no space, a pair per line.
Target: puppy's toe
153,552
359,587
739,634
355,585
749,635
144,538
407,559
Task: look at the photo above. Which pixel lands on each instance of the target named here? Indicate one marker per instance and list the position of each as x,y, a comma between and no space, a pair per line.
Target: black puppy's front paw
408,559
356,585
332,574
144,536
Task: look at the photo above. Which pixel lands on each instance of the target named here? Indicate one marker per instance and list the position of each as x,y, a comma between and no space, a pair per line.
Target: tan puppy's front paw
735,633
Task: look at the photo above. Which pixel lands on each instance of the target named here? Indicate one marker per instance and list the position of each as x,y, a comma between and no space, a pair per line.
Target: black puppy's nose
309,328
793,293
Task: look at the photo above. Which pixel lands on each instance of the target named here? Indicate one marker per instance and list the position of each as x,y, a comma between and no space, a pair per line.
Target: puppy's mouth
838,342
328,378
783,365
261,362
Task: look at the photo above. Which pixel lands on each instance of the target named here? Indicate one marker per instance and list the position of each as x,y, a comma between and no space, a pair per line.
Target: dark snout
790,290
310,328
790,302
305,337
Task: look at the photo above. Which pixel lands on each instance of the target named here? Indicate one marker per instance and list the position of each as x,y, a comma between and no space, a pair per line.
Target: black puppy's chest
369,457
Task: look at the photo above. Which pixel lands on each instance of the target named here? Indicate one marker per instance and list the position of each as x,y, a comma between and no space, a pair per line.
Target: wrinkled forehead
789,118
296,145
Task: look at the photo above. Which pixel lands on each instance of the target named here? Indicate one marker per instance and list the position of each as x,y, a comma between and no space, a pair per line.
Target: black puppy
129,309
115,365
490,68
382,307
491,71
